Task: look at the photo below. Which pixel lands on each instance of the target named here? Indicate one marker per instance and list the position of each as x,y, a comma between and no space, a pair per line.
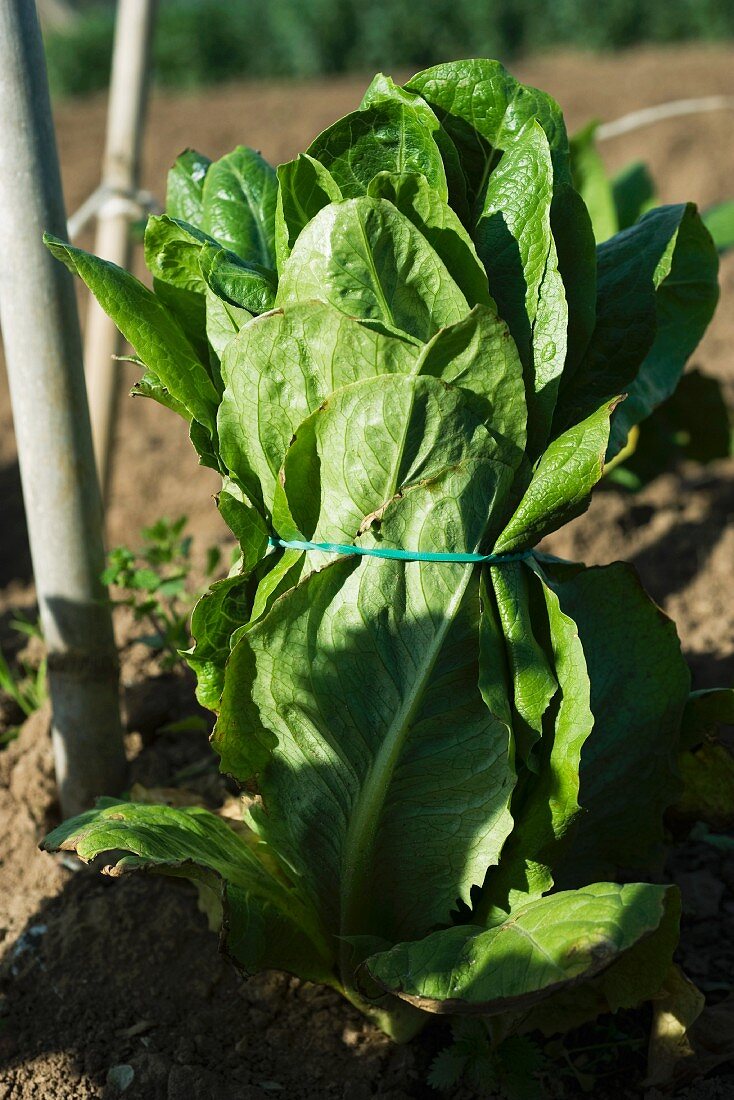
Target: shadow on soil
126,973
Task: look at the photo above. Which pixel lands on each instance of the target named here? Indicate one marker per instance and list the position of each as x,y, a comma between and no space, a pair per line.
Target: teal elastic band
397,555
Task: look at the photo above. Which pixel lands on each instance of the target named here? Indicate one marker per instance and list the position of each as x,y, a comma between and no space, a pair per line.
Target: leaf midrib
255,215
367,811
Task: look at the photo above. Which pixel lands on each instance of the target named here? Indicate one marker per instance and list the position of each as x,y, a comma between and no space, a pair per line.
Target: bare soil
98,975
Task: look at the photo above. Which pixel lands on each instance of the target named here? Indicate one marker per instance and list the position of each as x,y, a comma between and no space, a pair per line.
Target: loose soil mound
107,982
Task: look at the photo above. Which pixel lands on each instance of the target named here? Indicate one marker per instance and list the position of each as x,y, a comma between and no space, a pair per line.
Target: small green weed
509,1069
519,1068
26,686
154,582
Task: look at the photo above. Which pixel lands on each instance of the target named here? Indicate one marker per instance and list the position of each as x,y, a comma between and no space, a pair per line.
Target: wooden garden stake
120,178
43,351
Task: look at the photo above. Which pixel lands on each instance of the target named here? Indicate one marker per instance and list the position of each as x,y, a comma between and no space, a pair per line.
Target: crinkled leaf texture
368,260
239,196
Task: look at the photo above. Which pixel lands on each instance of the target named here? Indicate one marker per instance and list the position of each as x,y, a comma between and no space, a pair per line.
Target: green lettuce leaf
305,186
515,243
279,369
656,291
153,332
545,803
561,484
223,322
184,194
387,754
419,202
368,260
687,290
639,687
384,88
482,108
543,946
244,285
239,196
262,921
387,135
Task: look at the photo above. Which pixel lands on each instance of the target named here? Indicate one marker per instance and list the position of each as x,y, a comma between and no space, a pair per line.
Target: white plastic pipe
40,328
648,116
120,174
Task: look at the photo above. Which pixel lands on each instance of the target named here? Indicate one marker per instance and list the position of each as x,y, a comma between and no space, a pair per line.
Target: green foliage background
206,41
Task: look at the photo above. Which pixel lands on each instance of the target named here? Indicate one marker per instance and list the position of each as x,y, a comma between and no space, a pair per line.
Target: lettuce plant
406,339
694,422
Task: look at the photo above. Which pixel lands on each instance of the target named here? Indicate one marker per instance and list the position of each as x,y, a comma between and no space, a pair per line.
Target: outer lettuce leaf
244,521
533,679
219,613
384,88
244,285
543,946
188,308
358,769
686,282
479,355
574,240
561,485
640,974
656,292
223,322
206,445
151,386
368,260
401,436
262,920
639,687
153,332
617,659
172,251
545,804
625,321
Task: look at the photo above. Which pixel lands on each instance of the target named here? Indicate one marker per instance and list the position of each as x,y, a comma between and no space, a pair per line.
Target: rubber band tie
398,555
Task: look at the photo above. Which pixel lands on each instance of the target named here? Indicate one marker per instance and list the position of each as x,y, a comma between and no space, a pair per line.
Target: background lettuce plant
694,421
408,338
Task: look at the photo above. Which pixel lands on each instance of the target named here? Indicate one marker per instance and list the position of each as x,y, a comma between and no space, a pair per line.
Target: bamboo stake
40,328
120,176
